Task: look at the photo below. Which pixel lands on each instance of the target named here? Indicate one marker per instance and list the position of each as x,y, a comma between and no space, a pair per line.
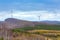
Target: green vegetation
48,27
22,29
38,27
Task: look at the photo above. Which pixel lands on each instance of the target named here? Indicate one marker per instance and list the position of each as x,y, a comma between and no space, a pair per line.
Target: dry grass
24,36
51,34
46,31
30,36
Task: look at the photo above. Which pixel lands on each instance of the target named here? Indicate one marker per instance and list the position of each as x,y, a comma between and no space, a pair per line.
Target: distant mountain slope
12,23
19,23
51,22
47,22
16,23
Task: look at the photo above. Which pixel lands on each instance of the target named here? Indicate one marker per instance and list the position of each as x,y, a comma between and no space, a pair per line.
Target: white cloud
31,15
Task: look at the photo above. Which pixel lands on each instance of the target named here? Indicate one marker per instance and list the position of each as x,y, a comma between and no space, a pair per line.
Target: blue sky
30,9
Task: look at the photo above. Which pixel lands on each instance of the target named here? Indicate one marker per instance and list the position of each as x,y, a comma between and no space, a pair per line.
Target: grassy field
39,27
39,32
48,31
47,34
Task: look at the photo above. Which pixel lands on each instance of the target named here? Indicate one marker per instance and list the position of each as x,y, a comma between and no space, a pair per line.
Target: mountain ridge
12,23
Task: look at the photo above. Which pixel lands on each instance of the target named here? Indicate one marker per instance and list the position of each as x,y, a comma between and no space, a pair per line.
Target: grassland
39,27
39,32
48,31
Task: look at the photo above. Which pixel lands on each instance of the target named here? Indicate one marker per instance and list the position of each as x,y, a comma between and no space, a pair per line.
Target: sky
31,10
